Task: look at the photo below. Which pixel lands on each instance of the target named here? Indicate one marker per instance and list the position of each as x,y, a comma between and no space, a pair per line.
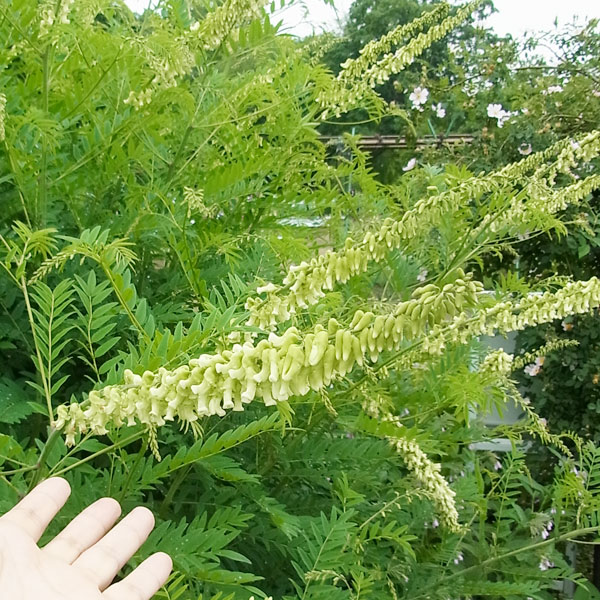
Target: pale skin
82,560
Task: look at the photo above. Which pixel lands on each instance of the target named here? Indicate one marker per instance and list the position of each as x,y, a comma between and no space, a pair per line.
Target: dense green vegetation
204,310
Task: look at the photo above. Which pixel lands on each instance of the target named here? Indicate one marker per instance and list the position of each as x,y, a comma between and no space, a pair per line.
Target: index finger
34,513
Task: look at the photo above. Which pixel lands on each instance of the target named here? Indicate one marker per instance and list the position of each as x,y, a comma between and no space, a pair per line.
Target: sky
513,16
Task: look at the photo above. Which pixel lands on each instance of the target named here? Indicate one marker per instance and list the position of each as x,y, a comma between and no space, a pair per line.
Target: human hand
83,559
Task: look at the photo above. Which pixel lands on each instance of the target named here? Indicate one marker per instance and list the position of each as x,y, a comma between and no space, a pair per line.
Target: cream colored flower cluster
194,198
2,117
424,470
542,201
354,68
139,99
224,20
170,62
552,346
429,476
273,369
166,63
574,298
563,155
360,75
578,151
391,64
305,284
313,49
497,362
52,12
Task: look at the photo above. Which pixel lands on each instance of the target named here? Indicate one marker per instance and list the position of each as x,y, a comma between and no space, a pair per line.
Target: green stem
52,439
13,487
131,473
45,382
19,186
115,446
23,33
91,90
122,301
178,480
71,452
43,191
17,471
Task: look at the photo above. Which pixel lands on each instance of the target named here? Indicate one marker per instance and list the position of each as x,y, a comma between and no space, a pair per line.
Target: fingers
85,530
104,560
144,582
39,507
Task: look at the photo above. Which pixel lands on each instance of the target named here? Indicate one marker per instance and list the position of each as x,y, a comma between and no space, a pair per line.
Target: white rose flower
495,111
532,370
439,110
525,149
553,89
418,97
410,165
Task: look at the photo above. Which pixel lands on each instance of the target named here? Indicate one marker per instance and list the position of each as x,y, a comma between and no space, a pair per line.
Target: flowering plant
201,313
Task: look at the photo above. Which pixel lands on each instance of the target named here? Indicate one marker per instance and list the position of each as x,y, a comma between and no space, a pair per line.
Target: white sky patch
513,16
517,16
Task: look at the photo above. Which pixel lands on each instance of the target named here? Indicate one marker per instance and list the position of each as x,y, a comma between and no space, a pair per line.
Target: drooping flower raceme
305,283
52,13
354,68
224,21
274,369
279,367
498,362
502,363
576,297
2,117
376,63
545,202
208,34
429,476
292,364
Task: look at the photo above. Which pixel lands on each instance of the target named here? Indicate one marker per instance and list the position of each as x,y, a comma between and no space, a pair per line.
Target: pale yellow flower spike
429,475
354,68
274,369
224,21
277,368
2,117
358,76
306,284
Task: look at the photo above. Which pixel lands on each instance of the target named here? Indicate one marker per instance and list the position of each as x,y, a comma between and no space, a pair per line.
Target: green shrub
161,176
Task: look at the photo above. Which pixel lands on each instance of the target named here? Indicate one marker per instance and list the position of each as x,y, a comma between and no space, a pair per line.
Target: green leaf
14,404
